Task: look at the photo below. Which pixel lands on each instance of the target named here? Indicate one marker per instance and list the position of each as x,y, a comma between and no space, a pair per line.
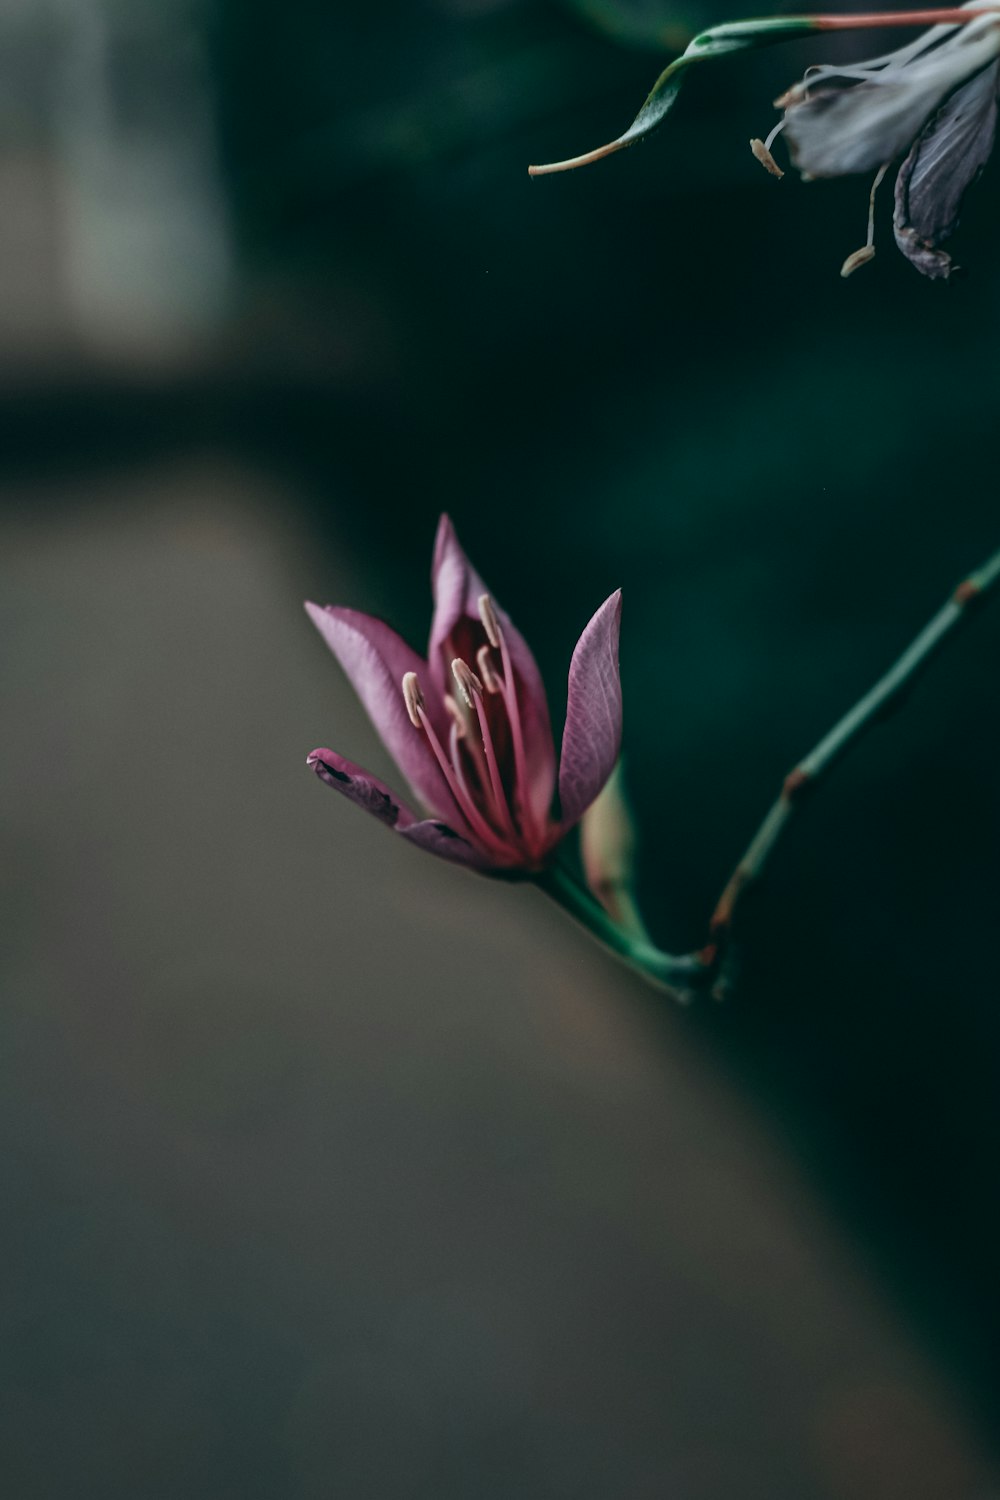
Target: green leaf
708,45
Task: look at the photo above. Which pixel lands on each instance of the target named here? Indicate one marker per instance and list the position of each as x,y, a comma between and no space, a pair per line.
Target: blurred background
328,1171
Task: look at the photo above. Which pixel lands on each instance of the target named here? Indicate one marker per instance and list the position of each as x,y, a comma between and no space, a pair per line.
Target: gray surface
328,1170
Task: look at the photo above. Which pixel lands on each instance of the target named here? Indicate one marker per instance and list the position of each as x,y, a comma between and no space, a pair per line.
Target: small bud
488,615
765,158
413,698
466,680
491,682
859,258
607,846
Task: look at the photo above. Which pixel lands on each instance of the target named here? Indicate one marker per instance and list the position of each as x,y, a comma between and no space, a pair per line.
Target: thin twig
684,974
876,703
678,974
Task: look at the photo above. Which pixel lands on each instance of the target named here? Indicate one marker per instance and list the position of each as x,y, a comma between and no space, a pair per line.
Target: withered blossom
934,100
932,103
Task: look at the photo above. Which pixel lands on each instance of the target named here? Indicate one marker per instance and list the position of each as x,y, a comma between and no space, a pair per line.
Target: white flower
935,99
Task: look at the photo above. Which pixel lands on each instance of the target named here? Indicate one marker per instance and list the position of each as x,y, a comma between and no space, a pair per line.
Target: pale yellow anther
488,615
413,698
765,158
466,680
859,258
791,96
491,682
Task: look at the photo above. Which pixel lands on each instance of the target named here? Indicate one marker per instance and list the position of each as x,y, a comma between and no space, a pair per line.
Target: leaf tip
572,162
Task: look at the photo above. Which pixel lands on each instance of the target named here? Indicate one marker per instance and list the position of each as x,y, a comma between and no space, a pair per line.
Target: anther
413,698
867,251
491,682
466,680
488,615
765,158
858,258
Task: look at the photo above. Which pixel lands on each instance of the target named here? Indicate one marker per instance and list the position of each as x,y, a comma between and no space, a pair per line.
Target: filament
871,203
499,795
457,785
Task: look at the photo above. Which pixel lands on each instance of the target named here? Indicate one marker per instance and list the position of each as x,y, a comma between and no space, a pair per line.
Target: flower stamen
413,697
762,150
452,765
491,682
488,615
467,682
867,252
451,768
508,688
472,690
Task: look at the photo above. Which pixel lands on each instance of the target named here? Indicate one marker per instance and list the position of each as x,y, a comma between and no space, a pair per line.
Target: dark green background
648,374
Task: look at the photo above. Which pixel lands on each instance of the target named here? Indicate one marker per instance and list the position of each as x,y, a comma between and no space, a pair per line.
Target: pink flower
469,727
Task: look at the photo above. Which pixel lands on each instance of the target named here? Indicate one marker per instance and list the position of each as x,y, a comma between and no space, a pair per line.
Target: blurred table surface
327,1169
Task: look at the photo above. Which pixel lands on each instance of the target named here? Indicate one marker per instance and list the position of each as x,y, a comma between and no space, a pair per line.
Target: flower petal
832,132
375,659
457,588
946,158
593,734
367,791
438,838
361,787
457,591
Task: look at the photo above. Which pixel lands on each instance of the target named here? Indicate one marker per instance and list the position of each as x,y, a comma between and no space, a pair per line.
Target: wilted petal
367,791
832,132
837,131
375,660
593,733
947,157
361,787
457,591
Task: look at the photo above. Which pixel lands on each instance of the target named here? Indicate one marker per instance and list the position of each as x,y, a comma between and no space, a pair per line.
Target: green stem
683,974
865,714
678,974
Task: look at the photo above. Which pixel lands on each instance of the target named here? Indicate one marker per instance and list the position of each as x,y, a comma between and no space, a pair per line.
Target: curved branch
865,714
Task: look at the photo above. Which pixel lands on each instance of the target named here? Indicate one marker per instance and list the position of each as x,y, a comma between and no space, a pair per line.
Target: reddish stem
897,18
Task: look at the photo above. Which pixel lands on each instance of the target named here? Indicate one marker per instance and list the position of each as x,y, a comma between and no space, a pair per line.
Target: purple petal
456,586
367,791
361,787
439,839
946,158
375,659
593,734
457,590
